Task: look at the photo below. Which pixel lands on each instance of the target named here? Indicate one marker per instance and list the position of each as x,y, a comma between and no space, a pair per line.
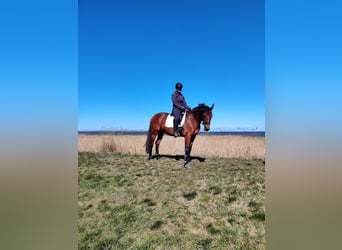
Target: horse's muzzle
206,126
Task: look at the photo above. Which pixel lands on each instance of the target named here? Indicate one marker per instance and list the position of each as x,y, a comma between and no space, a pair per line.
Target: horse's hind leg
159,138
153,137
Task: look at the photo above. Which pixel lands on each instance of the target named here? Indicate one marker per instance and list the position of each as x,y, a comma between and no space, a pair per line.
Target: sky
132,53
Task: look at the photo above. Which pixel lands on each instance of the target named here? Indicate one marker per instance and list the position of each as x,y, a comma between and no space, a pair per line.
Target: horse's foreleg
187,155
189,140
159,138
192,142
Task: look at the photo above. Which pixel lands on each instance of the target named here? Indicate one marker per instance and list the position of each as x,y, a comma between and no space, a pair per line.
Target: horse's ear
212,107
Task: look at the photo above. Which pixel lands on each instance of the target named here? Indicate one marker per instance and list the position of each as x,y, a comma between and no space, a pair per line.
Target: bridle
204,122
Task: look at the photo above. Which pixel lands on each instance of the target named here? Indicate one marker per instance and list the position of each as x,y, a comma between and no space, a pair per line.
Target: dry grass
222,146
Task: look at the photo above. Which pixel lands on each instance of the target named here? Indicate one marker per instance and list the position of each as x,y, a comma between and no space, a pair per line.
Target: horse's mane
201,108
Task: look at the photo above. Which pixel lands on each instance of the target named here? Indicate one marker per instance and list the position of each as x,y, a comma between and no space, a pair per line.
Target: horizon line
144,130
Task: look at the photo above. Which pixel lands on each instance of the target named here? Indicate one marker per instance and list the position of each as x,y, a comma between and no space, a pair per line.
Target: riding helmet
179,86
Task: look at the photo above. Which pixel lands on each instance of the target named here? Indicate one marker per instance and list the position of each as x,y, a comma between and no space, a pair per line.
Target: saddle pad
169,121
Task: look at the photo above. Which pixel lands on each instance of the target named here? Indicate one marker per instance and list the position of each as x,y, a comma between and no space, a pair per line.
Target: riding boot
175,128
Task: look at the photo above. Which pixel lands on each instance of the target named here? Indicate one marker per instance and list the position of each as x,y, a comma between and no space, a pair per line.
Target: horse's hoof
187,165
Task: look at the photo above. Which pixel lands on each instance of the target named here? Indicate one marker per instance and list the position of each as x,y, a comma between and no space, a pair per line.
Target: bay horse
190,129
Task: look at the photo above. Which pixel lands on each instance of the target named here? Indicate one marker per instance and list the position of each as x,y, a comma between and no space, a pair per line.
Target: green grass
128,202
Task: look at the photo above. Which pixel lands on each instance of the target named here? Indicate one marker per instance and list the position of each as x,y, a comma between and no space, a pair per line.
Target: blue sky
131,54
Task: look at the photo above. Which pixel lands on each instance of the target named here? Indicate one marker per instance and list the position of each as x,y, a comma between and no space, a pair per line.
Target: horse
190,129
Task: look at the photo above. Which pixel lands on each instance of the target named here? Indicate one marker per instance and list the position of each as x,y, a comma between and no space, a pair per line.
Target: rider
179,106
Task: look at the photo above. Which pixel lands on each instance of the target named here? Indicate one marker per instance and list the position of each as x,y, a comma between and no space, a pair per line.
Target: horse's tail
149,141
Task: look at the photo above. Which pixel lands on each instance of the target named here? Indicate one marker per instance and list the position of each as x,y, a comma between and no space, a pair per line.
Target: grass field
128,202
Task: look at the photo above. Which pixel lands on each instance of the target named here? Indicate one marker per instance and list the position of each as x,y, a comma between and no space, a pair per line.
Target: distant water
129,132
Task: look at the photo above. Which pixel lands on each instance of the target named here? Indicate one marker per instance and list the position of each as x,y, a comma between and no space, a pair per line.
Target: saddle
170,118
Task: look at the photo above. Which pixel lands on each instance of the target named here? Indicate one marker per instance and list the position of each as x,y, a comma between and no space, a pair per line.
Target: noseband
203,122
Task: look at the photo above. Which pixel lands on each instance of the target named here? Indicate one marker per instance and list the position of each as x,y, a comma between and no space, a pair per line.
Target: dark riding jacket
179,104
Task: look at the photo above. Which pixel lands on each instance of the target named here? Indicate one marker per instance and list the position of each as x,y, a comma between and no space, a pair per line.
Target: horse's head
206,117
